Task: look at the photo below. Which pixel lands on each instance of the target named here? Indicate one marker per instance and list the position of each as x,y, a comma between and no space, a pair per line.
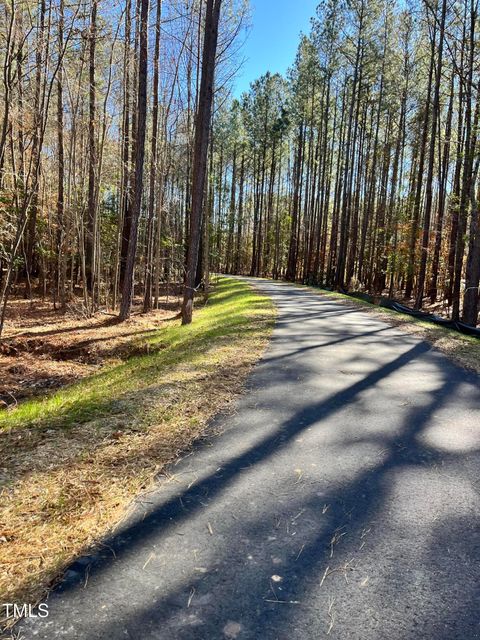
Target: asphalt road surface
341,500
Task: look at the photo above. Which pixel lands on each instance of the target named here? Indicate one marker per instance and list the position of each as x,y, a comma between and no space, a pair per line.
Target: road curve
341,500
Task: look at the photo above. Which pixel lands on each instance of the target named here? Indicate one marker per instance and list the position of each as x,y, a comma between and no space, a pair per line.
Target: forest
357,171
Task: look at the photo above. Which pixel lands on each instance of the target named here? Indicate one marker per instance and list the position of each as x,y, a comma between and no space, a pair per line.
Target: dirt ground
43,349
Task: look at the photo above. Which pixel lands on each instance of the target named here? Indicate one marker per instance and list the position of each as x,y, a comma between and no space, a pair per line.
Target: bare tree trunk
442,196
125,154
92,157
472,272
231,215
7,77
467,176
419,183
431,163
30,254
297,171
61,252
128,283
202,132
237,262
147,300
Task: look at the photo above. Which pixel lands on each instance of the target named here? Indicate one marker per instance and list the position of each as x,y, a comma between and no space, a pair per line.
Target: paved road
340,501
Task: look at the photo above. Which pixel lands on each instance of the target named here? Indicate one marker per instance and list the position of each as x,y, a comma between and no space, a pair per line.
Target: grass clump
73,461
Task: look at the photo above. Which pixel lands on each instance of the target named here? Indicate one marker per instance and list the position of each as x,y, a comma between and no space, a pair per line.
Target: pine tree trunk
202,132
61,233
431,163
149,266
90,240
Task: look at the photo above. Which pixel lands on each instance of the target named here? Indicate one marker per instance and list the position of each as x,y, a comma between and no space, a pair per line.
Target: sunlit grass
232,305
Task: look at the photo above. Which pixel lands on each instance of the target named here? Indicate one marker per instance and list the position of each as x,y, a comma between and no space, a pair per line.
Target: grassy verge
462,349
72,462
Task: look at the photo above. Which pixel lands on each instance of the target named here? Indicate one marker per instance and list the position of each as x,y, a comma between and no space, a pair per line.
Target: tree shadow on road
310,565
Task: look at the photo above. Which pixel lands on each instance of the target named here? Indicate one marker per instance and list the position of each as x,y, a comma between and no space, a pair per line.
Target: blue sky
273,38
